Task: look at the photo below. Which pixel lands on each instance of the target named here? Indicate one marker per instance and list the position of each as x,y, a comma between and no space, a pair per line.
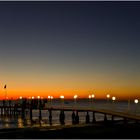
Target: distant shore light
51,97
33,97
38,97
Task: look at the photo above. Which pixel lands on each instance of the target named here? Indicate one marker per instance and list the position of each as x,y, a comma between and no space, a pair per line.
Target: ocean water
120,106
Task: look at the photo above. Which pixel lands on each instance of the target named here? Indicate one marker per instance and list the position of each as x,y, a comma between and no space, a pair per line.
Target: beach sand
97,131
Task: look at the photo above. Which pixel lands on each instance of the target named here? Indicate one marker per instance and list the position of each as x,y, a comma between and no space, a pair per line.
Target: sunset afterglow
69,49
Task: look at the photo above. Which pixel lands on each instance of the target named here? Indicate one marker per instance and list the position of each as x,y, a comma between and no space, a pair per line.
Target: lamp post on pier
89,96
136,102
108,97
20,100
92,97
75,99
20,97
128,105
62,100
113,100
33,97
38,102
51,98
38,97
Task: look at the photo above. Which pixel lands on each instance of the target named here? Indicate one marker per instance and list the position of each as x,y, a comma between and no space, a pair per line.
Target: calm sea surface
121,106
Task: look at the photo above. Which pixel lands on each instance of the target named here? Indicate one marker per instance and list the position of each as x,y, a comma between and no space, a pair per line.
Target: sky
67,48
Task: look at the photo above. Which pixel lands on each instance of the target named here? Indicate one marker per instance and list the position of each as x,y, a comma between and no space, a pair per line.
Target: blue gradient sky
57,47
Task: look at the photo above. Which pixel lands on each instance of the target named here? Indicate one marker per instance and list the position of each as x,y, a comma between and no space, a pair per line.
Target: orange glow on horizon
83,93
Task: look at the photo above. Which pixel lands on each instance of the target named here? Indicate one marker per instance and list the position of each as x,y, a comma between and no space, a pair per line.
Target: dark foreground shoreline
98,131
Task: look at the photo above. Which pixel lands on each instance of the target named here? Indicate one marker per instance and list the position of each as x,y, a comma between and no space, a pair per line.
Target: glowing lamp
75,96
108,96
20,97
89,96
38,97
113,98
49,97
92,95
62,97
136,101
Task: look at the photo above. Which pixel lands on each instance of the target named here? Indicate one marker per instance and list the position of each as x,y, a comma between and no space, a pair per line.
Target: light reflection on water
8,122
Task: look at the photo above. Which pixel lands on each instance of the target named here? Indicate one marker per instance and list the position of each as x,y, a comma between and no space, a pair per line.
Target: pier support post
31,113
40,115
77,118
62,117
105,119
112,119
23,105
125,120
40,107
136,121
10,110
23,112
2,111
7,111
15,110
87,118
93,119
73,117
50,117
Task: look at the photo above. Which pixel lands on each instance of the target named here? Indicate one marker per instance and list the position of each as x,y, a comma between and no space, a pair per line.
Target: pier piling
77,118
87,118
105,118
50,117
62,117
93,119
73,117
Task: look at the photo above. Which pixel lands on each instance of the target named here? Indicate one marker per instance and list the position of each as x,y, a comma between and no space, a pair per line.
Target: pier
26,107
